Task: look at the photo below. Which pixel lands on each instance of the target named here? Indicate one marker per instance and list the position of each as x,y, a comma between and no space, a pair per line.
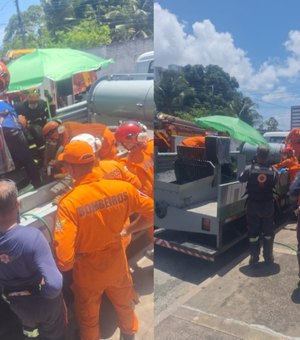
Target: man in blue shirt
29,279
13,133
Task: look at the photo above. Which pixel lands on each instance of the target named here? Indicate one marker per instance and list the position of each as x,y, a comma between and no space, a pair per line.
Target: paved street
229,300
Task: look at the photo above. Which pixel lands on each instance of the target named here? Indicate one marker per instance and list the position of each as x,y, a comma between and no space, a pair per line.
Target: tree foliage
35,28
195,91
80,23
271,124
87,34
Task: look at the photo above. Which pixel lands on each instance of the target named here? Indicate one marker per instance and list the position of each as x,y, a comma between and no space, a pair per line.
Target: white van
275,136
145,63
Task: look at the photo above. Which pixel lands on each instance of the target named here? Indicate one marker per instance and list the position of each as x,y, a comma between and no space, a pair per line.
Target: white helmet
94,142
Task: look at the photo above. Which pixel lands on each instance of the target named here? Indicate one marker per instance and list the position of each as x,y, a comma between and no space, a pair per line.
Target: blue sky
256,41
8,8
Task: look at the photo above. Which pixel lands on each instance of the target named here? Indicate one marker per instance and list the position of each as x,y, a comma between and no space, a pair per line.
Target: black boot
124,336
268,249
254,252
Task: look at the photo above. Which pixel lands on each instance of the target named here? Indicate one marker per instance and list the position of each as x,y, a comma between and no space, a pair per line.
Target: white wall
124,55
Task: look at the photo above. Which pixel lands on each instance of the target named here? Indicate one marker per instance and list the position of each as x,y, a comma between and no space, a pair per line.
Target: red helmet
4,77
131,132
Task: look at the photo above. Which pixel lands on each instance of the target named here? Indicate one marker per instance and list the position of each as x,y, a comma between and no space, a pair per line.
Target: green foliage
87,34
197,113
271,124
80,23
55,13
195,91
129,19
36,31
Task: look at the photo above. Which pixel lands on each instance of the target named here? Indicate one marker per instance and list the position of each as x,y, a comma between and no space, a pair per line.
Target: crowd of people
110,199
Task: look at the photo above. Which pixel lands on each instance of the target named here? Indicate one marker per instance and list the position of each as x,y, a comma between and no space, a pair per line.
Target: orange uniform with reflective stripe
111,169
108,149
87,238
140,161
291,164
194,142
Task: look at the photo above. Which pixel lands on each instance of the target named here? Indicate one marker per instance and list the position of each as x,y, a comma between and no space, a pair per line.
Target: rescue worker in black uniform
36,112
261,179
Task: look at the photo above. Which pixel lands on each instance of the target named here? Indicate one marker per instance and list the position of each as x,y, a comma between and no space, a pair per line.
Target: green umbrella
54,63
236,128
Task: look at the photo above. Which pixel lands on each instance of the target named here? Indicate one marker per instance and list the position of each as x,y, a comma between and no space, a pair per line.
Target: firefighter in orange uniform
293,139
194,142
89,227
108,169
289,161
140,160
59,134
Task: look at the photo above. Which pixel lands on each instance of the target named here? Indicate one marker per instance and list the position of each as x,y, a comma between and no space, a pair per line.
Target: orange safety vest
291,164
140,161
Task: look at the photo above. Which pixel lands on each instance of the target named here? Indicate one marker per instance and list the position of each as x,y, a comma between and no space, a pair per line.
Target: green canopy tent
55,64
236,128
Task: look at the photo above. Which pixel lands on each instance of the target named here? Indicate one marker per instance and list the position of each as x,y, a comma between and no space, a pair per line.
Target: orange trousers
87,305
105,271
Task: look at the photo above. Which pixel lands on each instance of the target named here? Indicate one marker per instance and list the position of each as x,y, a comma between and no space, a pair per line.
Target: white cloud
269,83
207,46
293,44
280,94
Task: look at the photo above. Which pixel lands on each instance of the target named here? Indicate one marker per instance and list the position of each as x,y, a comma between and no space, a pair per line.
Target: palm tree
245,109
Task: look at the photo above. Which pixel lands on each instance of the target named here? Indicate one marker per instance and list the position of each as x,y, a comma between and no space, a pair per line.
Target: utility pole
212,98
21,26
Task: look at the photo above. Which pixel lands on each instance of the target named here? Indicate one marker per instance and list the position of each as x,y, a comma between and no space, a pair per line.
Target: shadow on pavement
143,279
260,270
295,297
193,269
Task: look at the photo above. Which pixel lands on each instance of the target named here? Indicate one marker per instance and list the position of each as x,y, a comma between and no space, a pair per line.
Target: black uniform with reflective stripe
261,183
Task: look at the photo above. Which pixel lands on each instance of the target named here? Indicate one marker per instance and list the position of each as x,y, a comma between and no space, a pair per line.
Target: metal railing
77,112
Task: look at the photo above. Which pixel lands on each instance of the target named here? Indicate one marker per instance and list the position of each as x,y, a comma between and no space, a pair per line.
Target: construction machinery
168,127
124,96
111,100
199,203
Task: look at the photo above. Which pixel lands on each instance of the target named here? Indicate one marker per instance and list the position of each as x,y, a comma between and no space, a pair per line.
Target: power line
273,104
21,26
